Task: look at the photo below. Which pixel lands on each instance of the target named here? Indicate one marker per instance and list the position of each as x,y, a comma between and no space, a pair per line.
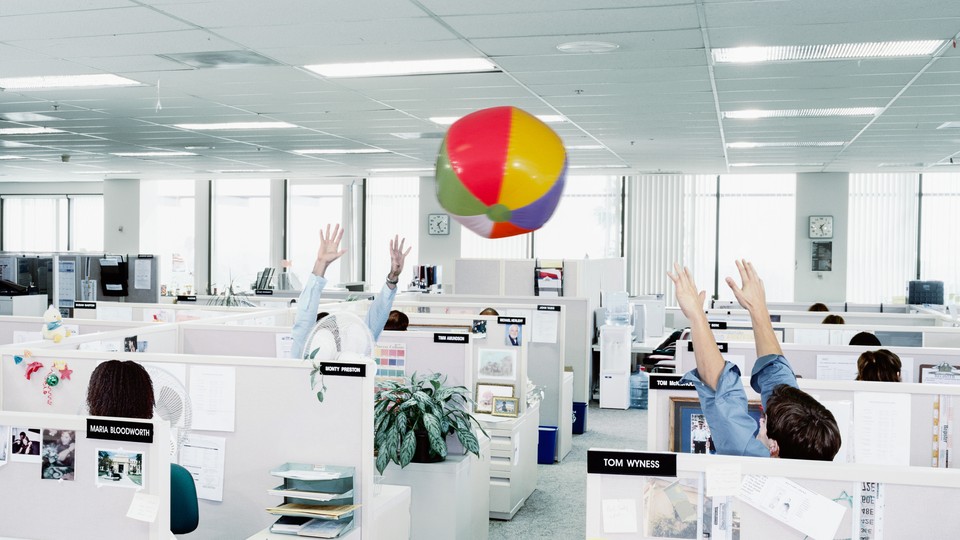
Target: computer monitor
925,292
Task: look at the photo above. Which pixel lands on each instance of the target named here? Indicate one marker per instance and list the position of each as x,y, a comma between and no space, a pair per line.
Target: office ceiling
653,104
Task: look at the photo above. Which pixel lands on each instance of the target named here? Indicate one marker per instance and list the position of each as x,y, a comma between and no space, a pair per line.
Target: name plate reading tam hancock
343,370
631,463
512,320
451,338
670,382
117,430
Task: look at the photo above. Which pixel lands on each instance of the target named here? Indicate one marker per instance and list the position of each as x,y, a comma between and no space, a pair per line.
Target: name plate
670,382
116,430
343,370
84,305
263,292
451,338
548,308
512,320
631,463
721,345
718,325
186,298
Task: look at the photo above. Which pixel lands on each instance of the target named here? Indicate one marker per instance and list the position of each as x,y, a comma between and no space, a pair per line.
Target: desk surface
647,346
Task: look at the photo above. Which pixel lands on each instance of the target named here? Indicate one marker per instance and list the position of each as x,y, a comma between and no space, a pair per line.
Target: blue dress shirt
732,428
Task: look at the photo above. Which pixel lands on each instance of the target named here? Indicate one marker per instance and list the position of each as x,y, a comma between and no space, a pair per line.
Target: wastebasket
579,418
547,446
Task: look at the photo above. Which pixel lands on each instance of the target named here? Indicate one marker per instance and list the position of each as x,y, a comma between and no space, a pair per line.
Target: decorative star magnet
65,372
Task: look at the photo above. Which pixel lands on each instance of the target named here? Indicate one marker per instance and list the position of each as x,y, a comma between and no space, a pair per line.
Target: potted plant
412,419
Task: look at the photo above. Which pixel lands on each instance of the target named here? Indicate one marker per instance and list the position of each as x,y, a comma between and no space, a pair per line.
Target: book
322,512
284,491
289,524
318,528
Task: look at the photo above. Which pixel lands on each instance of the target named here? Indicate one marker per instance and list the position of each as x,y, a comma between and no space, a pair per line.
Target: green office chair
184,510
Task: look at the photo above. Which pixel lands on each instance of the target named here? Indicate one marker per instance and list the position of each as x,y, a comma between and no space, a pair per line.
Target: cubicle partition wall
28,329
253,414
825,361
82,502
676,319
149,313
641,495
880,423
840,308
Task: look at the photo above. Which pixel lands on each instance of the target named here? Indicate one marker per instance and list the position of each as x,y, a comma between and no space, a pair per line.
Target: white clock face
438,224
821,226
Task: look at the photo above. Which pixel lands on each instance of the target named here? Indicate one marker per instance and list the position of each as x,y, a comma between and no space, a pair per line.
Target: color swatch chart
391,359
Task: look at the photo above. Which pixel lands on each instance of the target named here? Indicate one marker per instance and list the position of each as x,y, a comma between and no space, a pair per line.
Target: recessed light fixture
152,154
949,125
327,151
105,172
803,113
585,147
427,135
29,131
401,169
26,117
192,147
903,165
585,47
404,67
783,144
545,118
246,171
8,158
49,82
599,167
776,164
838,51
236,125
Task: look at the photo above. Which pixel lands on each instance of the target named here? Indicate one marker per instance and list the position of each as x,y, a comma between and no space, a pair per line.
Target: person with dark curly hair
879,365
121,389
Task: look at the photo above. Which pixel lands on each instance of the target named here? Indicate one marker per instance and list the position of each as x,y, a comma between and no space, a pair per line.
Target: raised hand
397,257
750,293
689,298
329,249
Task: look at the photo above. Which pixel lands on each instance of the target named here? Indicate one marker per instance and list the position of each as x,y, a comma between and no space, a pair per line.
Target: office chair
184,510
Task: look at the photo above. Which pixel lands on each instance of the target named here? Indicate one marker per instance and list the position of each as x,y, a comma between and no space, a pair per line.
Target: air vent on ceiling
220,59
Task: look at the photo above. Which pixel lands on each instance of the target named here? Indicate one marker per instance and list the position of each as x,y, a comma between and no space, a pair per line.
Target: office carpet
556,509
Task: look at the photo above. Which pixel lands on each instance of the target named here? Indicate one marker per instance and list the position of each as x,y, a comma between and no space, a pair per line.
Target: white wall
821,194
441,249
121,217
51,188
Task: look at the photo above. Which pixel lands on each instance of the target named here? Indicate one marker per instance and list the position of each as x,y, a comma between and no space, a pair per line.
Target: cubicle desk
30,305
513,460
448,499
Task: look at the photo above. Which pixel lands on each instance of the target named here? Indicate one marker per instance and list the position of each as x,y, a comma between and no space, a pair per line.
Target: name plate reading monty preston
451,338
631,463
118,430
343,370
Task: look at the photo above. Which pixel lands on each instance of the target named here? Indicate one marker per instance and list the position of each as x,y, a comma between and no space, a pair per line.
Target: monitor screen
925,292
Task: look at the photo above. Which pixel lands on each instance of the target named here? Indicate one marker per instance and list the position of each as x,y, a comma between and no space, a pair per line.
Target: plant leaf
407,448
382,461
469,442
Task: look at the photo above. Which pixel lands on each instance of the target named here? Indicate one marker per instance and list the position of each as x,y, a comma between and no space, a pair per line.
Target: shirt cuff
765,361
723,381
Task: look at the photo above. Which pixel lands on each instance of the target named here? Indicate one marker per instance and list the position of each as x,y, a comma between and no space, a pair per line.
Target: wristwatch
392,281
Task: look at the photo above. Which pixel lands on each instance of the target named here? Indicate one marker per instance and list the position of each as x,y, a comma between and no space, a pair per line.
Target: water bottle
639,386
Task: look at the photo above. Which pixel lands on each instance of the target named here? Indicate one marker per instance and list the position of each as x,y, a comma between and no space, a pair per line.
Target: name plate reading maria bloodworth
451,338
631,463
343,370
84,305
670,382
118,430
512,320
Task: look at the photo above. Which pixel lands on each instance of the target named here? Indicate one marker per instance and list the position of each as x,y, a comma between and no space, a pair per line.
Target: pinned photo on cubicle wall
25,444
672,508
4,445
59,451
514,335
479,328
497,364
130,344
120,468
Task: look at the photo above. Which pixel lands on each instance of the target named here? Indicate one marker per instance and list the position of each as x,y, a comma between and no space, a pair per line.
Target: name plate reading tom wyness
670,382
451,338
84,305
343,370
631,463
511,320
118,430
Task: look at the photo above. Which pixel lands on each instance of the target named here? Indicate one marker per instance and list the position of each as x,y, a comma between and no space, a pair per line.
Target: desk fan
172,403
338,337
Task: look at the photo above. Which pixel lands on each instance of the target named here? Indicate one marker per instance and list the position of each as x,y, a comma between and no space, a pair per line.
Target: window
882,236
86,222
757,222
35,223
393,208
169,230
474,246
310,207
939,258
586,223
240,232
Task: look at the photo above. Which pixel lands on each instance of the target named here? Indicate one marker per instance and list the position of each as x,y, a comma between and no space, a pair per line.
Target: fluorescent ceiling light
949,125
11,157
402,169
584,47
406,67
28,131
152,154
49,82
903,165
783,144
586,147
545,118
27,117
236,125
342,151
105,172
838,51
599,167
803,113
244,171
776,164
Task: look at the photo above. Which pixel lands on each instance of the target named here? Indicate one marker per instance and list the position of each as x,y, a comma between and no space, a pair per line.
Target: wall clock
821,227
438,224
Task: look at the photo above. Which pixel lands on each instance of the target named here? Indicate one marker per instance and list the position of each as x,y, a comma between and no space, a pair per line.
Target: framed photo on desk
689,432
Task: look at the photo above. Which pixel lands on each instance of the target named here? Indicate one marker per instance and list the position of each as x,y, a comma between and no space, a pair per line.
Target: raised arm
380,309
309,300
753,298
709,360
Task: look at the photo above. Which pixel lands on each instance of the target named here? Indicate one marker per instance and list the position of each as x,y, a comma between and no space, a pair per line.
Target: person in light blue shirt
328,252
794,425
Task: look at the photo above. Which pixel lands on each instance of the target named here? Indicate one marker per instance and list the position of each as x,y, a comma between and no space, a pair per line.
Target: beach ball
500,172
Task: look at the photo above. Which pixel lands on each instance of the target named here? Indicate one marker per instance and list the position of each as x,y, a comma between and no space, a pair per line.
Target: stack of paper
322,512
318,528
311,495
289,524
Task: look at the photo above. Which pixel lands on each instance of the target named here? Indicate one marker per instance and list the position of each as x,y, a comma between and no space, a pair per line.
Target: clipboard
943,373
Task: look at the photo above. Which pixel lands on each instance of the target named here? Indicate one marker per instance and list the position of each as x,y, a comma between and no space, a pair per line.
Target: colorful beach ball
500,172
